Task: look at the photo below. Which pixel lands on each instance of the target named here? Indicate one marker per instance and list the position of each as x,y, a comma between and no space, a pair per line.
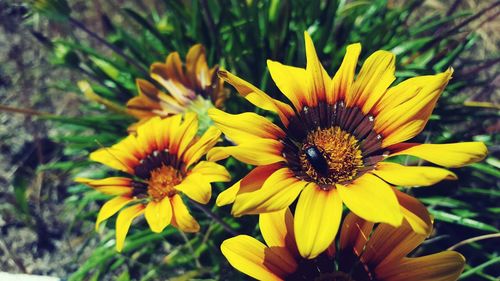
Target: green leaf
451,218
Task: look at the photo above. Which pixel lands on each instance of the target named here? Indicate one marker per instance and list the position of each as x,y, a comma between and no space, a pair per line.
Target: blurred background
48,125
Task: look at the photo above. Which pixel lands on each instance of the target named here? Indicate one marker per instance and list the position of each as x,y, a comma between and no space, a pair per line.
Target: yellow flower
192,87
163,161
330,145
362,254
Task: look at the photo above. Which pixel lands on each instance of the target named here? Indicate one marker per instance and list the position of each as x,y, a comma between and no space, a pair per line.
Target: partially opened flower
163,162
189,87
331,143
364,253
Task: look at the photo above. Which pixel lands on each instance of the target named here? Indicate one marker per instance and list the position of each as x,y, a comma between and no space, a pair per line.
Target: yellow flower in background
163,161
364,253
189,87
330,145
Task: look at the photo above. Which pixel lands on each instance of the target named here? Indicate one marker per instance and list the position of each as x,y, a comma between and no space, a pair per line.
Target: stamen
162,181
341,156
342,137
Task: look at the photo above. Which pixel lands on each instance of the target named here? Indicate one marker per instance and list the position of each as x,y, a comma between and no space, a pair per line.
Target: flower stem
216,218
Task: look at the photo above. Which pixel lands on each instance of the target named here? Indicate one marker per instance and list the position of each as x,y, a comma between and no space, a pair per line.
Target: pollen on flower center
332,144
330,156
162,181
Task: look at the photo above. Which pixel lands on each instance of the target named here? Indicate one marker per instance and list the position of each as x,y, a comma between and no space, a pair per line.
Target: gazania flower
363,254
192,87
163,161
331,143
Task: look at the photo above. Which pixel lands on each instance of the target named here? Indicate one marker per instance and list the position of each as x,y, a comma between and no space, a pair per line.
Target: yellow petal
255,259
277,193
245,127
290,81
448,155
405,108
444,266
110,208
415,213
158,214
147,135
131,145
181,218
410,91
251,182
212,172
355,233
202,146
196,187
184,135
318,80
115,158
277,230
257,97
317,219
412,176
372,199
257,152
342,81
375,76
388,244
110,186
169,129
124,221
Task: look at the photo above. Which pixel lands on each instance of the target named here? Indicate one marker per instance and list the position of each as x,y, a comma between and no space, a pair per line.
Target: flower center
330,156
162,182
331,143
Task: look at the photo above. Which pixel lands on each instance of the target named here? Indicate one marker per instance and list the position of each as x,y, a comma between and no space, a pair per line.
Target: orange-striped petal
444,266
317,219
415,213
277,193
380,250
245,127
412,176
181,218
174,67
158,214
251,182
124,221
372,199
448,155
196,66
255,259
355,233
